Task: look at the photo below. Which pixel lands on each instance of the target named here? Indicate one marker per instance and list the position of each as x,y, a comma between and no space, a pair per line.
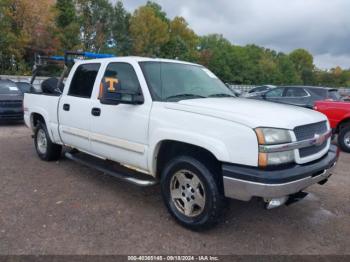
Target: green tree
268,68
148,32
49,26
288,73
158,11
95,23
304,64
182,42
25,27
67,24
120,39
215,53
12,39
239,63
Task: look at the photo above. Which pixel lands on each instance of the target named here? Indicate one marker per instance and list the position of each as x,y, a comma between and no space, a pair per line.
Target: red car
338,113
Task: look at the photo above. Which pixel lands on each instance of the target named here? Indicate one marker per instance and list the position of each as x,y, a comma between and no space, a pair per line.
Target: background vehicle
304,96
338,113
176,123
236,92
11,101
24,87
259,90
345,94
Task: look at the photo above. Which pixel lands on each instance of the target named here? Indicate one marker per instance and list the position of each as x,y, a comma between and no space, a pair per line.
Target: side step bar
112,169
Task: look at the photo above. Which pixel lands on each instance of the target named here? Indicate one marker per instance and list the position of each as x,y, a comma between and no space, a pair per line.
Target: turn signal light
260,135
262,160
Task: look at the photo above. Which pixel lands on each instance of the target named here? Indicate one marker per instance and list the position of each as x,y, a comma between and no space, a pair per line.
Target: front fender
213,145
345,119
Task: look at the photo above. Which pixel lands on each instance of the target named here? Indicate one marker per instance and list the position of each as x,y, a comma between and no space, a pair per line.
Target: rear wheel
191,193
45,148
344,139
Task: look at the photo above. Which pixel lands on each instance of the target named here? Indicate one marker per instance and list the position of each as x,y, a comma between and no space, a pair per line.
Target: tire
187,182
344,139
45,149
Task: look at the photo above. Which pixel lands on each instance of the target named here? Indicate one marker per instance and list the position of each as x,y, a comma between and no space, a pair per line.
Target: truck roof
133,59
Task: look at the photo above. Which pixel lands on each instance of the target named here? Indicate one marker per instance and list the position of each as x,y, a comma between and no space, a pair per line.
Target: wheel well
36,118
345,122
170,149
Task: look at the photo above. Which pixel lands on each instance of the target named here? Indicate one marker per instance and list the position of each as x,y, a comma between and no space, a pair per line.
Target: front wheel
45,148
344,139
191,193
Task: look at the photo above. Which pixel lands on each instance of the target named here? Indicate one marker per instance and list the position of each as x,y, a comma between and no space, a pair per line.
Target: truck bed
45,105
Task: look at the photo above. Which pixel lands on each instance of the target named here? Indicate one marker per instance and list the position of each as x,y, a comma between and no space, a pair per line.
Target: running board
112,169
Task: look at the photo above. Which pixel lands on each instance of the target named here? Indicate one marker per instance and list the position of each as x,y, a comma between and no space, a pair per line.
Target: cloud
322,27
326,61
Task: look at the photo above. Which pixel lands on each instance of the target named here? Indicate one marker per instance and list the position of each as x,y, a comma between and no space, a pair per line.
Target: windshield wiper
184,96
221,95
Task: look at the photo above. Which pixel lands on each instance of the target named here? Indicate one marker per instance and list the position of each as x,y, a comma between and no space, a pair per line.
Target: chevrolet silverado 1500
176,123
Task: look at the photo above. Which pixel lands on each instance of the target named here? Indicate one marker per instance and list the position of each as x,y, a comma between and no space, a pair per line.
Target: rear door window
83,80
296,92
275,93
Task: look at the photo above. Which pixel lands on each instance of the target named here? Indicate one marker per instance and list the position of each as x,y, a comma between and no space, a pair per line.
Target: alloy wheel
187,193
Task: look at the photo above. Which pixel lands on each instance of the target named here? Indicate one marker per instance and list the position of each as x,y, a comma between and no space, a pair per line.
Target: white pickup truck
146,120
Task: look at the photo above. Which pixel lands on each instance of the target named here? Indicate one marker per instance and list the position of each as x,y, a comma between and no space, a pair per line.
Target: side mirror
122,97
263,96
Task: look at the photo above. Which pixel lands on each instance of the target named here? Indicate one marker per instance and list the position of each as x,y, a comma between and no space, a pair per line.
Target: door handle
66,107
96,111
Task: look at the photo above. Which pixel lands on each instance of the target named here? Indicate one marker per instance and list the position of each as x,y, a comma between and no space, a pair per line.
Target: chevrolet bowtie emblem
318,139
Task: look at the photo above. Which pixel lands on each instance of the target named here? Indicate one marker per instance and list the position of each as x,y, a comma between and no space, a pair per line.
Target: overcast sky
320,26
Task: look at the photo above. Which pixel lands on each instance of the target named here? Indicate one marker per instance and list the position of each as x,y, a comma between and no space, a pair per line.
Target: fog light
276,202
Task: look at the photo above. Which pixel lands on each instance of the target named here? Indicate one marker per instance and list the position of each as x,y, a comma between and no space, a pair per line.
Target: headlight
273,136
270,136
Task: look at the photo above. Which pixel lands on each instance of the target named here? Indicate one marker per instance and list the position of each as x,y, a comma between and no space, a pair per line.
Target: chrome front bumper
260,185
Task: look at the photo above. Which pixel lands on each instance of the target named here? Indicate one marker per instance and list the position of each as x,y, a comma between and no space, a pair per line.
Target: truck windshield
177,81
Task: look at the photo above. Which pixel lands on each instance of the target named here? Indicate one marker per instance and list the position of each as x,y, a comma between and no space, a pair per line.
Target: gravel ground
65,208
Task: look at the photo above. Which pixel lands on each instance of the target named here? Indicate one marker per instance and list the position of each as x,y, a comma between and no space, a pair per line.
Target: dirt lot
64,208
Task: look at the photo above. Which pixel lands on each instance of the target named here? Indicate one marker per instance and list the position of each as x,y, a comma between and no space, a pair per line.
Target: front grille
11,104
308,151
308,132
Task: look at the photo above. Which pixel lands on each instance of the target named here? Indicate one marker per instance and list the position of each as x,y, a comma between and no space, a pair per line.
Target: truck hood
252,113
